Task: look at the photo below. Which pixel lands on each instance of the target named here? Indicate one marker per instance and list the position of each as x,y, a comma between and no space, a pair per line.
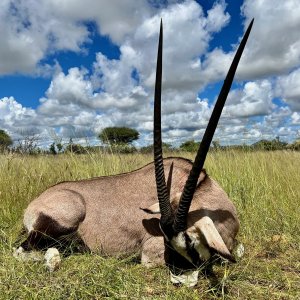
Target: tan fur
106,214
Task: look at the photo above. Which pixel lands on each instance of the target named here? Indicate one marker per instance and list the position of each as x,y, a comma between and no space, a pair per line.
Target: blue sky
74,69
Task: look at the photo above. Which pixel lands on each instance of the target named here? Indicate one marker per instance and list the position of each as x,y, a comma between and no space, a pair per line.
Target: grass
263,185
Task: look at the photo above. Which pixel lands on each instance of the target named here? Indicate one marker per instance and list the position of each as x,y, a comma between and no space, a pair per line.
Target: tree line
119,139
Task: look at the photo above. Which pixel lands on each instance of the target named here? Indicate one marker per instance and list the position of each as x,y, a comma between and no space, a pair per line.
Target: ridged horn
180,222
162,189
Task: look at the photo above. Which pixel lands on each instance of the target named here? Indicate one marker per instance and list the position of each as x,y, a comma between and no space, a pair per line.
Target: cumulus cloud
288,87
14,114
274,47
119,92
295,118
124,99
183,22
216,17
32,29
17,119
255,99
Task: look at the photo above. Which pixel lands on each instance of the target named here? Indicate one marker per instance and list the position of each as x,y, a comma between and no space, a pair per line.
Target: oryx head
196,243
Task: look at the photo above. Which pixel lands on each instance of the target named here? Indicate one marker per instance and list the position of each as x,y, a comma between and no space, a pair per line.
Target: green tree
190,146
5,140
52,149
75,148
59,147
118,135
275,144
294,146
56,148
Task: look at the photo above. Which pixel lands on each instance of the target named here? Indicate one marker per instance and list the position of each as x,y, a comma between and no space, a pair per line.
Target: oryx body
105,211
196,220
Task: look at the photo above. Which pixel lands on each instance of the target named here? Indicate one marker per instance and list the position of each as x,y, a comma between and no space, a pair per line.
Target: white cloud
274,45
216,17
277,118
79,102
13,113
114,76
32,29
124,100
70,88
295,118
115,18
288,87
17,119
255,99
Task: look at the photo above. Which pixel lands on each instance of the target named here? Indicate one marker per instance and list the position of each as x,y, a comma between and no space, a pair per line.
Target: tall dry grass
263,185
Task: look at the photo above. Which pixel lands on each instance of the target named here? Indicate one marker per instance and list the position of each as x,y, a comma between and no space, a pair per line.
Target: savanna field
265,187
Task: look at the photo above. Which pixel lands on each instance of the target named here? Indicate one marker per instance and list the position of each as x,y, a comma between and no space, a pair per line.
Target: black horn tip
249,27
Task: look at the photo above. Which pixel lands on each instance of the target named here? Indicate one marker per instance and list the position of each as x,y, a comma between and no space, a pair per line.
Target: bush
76,149
189,146
274,144
294,146
123,148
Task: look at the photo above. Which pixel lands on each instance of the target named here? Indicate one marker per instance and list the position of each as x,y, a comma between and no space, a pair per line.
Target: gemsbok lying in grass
113,215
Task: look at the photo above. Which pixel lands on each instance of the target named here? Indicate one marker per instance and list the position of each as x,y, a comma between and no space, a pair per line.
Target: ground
263,185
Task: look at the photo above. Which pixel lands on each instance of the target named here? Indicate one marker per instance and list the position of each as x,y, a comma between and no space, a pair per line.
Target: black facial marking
176,262
191,251
167,229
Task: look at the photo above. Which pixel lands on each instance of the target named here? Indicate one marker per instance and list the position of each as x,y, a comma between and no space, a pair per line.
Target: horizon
70,70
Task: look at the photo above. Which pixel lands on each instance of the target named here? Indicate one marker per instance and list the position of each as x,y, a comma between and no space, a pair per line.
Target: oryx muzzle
197,217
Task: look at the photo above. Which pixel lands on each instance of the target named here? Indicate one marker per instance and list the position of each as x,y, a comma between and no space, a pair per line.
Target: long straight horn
162,190
180,223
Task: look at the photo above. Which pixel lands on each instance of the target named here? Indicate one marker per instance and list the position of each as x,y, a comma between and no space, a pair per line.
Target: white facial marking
179,244
179,241
202,250
189,278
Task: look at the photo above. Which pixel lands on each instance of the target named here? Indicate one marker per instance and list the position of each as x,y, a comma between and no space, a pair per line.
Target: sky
70,68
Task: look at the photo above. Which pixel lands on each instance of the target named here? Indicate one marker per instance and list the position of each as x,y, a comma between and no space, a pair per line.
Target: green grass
263,185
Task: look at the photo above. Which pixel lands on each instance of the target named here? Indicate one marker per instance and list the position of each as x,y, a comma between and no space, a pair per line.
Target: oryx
113,215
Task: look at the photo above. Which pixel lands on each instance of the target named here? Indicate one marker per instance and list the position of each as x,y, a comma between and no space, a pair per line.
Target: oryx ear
153,209
213,238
